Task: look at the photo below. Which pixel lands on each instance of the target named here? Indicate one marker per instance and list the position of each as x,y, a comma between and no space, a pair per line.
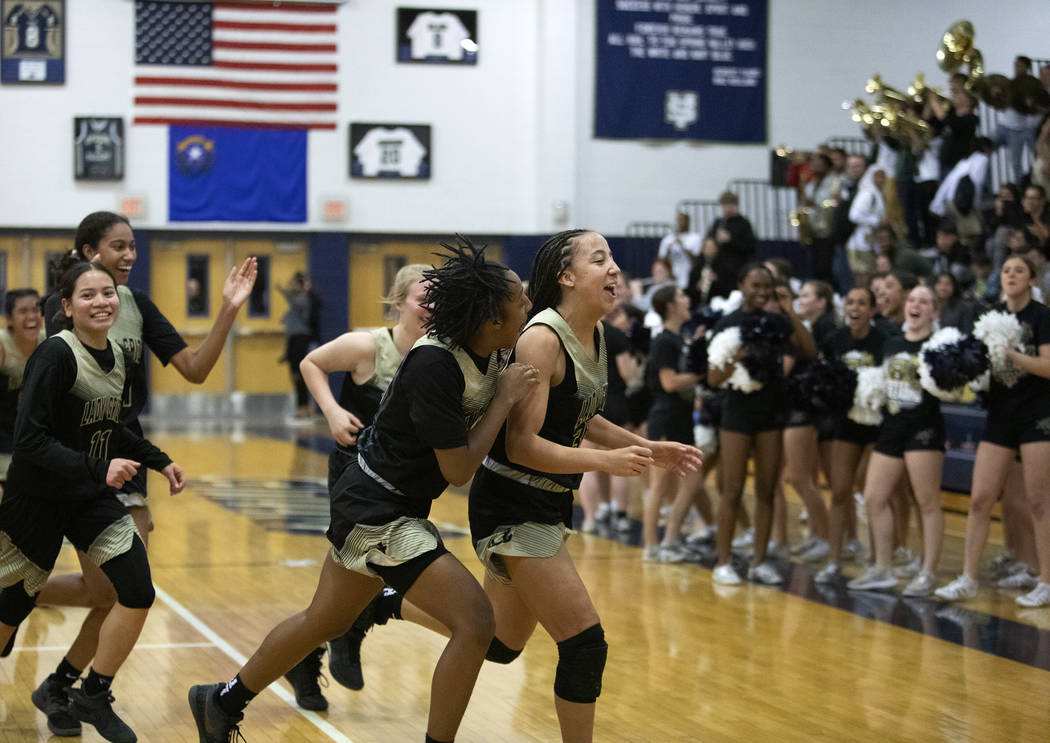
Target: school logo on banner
195,155
682,108
33,43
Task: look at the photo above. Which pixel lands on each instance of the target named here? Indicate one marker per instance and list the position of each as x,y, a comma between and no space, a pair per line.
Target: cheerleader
435,424
910,444
754,419
670,419
24,331
816,307
859,345
370,360
1018,424
106,238
70,451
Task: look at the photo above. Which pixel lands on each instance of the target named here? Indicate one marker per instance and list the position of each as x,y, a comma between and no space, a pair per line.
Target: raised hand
239,284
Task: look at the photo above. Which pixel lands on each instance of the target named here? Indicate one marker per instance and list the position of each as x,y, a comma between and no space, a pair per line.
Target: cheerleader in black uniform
1018,423
370,360
437,420
911,445
756,419
106,238
817,309
24,331
859,345
70,451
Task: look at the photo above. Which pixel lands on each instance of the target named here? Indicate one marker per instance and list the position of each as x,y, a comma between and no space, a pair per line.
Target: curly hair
553,257
464,292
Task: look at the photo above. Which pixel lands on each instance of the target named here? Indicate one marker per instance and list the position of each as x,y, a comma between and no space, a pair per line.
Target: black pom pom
763,339
957,364
827,386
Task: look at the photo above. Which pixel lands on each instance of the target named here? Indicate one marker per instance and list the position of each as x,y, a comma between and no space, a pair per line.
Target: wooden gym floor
688,660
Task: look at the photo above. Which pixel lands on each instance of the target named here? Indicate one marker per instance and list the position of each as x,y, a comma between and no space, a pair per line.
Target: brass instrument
919,91
957,49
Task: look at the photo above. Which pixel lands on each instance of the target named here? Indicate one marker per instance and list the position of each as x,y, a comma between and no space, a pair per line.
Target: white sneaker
903,555
921,585
817,552
765,574
705,535
726,575
672,553
1038,596
651,554
1020,579
622,524
963,587
853,550
828,574
590,526
777,551
910,570
603,512
800,547
745,540
1003,562
873,579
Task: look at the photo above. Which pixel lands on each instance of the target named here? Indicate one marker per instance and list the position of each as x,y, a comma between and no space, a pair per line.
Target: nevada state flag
236,175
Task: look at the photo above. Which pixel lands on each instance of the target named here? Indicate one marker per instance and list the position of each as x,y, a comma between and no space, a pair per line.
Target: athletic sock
388,607
96,683
67,672
234,697
435,740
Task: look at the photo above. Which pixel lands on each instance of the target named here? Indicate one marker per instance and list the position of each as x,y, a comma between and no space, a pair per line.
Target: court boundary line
138,646
190,618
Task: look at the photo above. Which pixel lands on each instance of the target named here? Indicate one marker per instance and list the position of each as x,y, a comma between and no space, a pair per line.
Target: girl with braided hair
437,420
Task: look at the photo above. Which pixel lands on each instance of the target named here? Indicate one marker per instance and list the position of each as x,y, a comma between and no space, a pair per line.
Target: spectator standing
681,248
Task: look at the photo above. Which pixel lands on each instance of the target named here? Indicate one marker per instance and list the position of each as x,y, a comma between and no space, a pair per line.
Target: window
259,301
198,286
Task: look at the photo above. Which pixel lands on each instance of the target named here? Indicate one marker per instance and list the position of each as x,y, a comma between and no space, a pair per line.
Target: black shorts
751,420
340,457
899,435
1012,431
37,526
844,429
616,410
673,425
798,418
497,501
826,428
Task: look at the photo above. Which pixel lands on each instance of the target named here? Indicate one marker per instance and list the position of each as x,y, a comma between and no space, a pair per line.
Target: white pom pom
940,339
869,397
1001,332
720,354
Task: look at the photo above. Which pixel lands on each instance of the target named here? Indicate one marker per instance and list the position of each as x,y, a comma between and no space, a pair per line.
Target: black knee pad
15,604
500,653
581,662
130,576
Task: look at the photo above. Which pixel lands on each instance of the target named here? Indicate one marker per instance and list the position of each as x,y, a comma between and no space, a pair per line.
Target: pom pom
869,396
720,354
949,361
827,386
1000,332
764,338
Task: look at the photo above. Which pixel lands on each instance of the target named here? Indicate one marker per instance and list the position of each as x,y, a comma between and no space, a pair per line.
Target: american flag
242,64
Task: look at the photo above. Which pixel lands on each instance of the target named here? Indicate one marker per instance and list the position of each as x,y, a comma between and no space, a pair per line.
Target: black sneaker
304,680
213,725
344,652
97,710
52,698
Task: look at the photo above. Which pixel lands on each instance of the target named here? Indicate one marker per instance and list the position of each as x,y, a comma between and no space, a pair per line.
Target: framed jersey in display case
98,148
390,151
437,35
32,41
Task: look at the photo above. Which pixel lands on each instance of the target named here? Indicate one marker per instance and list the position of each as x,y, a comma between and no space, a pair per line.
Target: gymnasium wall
511,136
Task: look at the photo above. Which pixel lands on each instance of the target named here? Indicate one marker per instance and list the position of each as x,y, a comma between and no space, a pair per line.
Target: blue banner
236,175
678,69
